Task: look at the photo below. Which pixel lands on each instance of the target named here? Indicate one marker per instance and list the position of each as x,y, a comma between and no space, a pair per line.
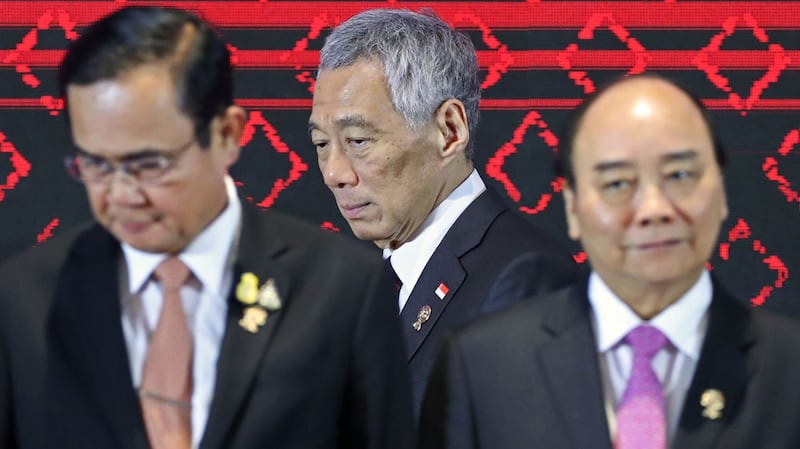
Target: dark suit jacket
325,371
529,378
485,238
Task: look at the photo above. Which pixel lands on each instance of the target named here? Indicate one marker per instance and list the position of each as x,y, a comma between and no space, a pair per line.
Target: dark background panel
522,49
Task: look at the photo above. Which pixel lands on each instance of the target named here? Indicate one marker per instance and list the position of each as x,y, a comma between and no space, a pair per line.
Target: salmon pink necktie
166,390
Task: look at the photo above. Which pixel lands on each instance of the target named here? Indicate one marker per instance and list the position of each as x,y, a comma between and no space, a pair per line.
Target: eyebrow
355,121
140,154
675,156
611,165
683,155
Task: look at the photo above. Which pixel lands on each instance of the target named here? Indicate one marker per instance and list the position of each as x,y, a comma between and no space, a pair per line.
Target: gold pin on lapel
253,318
268,296
713,401
261,301
422,316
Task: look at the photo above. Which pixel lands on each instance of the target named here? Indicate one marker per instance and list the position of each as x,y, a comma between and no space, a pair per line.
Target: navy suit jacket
481,242
529,378
319,374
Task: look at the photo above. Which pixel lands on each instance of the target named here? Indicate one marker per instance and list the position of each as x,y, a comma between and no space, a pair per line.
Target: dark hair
132,37
563,157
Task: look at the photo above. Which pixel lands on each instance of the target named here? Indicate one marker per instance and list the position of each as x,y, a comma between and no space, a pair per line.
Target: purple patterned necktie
641,422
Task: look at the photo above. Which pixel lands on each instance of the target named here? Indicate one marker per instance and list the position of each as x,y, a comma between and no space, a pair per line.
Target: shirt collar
406,259
684,322
207,255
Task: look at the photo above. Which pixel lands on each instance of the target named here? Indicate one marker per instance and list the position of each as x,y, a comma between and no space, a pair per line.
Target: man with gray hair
395,105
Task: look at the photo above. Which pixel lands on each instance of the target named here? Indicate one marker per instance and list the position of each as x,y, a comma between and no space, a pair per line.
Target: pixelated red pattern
771,167
741,232
494,167
486,104
517,59
47,232
20,167
509,15
298,166
498,60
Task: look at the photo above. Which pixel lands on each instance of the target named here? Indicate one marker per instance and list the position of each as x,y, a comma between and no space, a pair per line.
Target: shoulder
302,235
305,248
30,278
776,330
759,322
524,323
42,262
772,340
511,223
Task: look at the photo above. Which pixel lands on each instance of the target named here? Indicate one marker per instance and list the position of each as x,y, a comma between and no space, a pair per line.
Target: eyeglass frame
166,161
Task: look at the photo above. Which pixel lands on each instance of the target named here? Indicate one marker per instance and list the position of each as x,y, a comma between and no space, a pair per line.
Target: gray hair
426,62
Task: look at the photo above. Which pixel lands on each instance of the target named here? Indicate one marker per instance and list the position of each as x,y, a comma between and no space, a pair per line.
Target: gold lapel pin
713,401
253,318
268,296
261,301
422,316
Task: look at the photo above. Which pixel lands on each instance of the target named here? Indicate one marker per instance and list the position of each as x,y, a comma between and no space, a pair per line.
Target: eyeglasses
148,168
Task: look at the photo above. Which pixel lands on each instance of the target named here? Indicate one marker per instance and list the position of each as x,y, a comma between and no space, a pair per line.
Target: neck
648,299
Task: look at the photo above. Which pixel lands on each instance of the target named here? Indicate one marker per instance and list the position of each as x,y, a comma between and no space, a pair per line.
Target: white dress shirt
210,258
684,323
410,258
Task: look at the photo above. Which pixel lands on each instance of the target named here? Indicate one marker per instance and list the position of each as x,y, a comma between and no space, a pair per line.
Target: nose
654,206
124,189
337,170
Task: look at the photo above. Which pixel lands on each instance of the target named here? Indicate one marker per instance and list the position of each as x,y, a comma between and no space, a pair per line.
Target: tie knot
172,273
645,340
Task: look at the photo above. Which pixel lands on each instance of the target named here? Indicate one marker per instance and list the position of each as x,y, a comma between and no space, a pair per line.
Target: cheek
708,208
97,199
596,217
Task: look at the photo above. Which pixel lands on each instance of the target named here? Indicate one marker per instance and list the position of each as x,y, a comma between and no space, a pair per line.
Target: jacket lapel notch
438,284
571,369
93,343
721,370
243,350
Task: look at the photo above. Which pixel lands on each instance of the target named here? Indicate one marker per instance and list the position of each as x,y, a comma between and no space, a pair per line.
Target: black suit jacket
529,378
485,238
325,371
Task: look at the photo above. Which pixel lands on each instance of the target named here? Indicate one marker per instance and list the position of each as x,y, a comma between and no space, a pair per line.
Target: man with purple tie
649,351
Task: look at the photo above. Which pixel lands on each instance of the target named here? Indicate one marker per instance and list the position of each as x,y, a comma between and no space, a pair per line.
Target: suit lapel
571,369
88,337
722,366
242,352
444,269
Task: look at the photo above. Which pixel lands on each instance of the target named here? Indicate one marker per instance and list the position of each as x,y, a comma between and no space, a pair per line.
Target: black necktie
397,283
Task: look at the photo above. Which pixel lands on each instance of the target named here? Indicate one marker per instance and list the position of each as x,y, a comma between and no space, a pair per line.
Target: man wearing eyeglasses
182,318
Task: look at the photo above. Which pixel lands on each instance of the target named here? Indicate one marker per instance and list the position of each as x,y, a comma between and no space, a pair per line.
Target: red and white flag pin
441,290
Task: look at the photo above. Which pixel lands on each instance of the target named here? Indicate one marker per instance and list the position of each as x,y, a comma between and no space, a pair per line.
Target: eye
92,162
320,145
680,175
149,167
357,141
616,185
150,163
93,166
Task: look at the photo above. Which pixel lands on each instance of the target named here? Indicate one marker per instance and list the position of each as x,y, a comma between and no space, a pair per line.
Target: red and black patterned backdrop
538,59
